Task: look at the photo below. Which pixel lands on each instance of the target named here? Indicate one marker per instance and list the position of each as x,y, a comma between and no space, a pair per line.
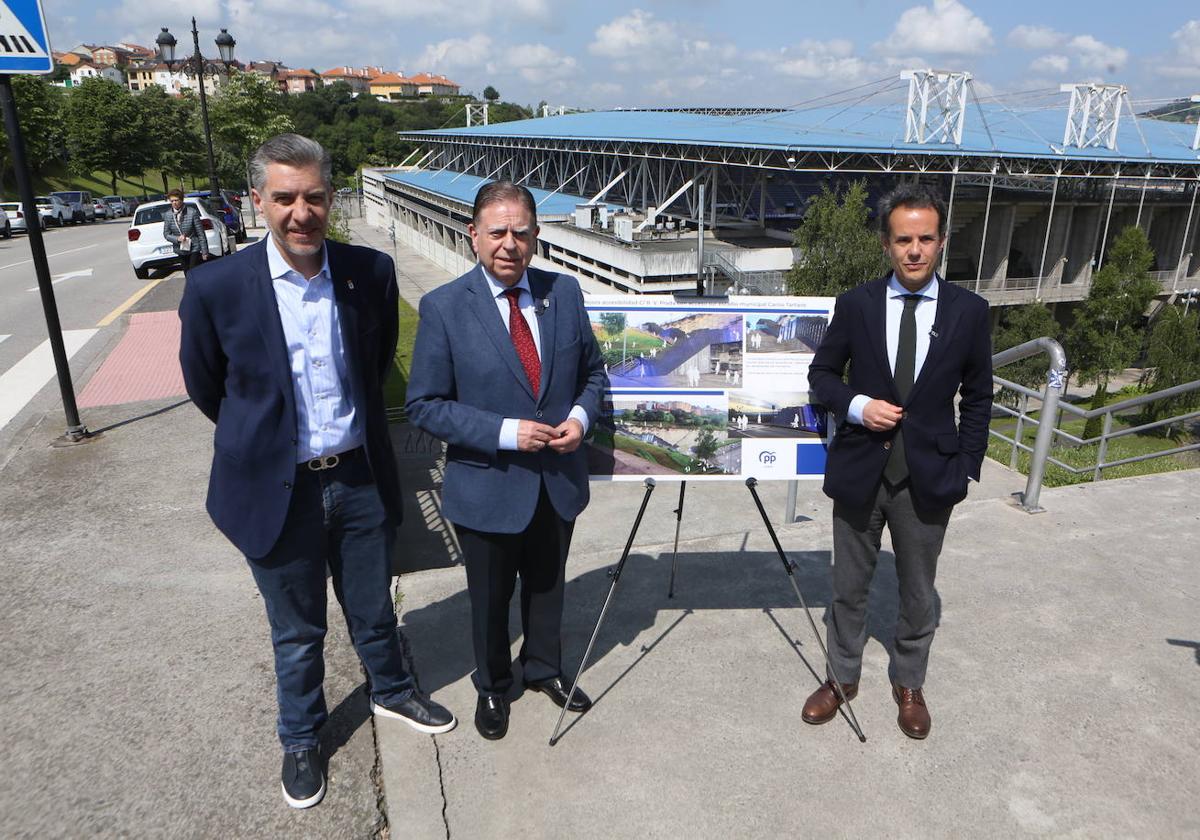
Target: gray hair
293,150
495,192
915,197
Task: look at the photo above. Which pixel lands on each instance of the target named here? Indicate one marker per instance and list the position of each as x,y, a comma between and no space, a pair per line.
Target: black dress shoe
491,717
419,712
558,691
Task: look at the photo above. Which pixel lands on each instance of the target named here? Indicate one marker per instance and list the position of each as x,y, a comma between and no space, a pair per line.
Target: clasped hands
563,438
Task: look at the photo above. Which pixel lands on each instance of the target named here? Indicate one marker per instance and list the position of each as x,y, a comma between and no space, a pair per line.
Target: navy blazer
941,455
236,369
466,379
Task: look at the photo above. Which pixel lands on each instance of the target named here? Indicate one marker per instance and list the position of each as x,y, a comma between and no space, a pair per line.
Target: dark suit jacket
466,378
235,367
940,454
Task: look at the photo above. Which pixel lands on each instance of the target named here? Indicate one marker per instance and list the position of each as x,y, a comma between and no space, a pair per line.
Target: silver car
54,210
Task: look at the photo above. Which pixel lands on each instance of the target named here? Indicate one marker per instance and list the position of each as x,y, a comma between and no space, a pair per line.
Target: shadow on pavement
705,581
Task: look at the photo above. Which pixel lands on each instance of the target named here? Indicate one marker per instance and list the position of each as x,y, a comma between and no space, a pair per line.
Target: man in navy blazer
507,371
285,347
912,341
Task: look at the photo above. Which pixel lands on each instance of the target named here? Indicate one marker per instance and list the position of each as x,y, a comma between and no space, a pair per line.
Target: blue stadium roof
461,187
1014,132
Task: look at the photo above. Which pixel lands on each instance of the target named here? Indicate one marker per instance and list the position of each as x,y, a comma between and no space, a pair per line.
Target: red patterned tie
522,339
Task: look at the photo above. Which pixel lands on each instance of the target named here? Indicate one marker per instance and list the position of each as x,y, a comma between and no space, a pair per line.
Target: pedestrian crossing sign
24,43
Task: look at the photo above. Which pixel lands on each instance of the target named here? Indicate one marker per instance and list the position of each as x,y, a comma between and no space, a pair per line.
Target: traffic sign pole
33,227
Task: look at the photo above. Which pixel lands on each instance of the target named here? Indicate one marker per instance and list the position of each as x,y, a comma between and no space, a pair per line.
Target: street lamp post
166,49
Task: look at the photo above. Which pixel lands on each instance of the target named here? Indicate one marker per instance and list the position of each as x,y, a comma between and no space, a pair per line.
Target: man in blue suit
912,341
507,371
285,346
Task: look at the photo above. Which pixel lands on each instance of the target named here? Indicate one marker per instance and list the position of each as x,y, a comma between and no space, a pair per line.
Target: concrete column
1000,233
1060,237
1081,246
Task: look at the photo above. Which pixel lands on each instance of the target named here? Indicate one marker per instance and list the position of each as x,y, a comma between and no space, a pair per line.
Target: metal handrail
1056,382
1051,405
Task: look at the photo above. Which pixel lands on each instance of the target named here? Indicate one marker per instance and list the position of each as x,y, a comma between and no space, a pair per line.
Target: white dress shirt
925,314
529,308
326,423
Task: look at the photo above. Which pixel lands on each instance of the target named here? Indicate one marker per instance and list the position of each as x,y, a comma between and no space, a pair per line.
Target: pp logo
767,457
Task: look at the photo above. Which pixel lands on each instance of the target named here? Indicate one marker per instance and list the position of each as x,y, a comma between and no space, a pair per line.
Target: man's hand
533,436
881,415
567,436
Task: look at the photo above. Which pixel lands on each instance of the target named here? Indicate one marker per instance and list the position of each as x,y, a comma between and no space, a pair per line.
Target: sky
684,52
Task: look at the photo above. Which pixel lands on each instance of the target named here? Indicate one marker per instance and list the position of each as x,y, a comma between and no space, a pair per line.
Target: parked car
101,209
116,205
53,209
16,218
149,249
83,208
131,203
228,212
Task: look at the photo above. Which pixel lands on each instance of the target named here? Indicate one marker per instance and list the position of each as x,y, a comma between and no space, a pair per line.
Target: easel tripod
615,575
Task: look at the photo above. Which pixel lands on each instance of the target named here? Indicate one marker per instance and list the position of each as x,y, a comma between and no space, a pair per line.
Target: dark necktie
522,340
896,469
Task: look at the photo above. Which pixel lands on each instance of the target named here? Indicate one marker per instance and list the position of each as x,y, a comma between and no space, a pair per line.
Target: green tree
491,94
838,249
1019,324
1108,329
104,129
613,323
247,112
706,444
172,143
39,110
1173,355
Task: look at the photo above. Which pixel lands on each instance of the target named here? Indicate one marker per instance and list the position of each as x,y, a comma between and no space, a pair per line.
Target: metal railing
1049,432
747,282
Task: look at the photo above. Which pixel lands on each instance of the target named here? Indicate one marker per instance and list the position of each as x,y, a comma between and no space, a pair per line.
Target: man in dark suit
184,230
912,340
285,347
507,371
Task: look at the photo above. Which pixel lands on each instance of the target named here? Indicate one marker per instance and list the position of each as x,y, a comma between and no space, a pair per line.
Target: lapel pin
933,333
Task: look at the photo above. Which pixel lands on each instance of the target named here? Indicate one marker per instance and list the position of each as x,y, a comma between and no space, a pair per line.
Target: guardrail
1049,407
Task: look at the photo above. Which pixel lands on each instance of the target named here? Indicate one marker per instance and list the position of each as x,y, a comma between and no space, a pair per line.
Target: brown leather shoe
823,703
914,717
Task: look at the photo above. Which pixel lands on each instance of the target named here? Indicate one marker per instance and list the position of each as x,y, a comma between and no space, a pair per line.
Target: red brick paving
143,366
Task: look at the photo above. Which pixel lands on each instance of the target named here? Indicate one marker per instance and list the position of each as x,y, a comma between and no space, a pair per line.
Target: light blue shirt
326,423
925,314
529,308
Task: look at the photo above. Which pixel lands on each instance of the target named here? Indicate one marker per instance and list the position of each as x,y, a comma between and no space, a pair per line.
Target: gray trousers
917,539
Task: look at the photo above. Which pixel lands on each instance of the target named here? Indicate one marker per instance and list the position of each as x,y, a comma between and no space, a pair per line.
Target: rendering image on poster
691,350
784,333
655,432
708,389
764,414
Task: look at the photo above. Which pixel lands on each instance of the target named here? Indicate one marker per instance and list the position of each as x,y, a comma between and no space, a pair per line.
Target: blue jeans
335,518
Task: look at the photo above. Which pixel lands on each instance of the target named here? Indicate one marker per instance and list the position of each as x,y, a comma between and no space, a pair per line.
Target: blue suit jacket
940,454
466,378
236,369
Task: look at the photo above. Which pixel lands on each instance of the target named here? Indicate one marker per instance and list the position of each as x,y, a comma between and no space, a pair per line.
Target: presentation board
708,390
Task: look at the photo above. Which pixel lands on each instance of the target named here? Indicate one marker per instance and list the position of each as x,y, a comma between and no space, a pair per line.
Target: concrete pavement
138,701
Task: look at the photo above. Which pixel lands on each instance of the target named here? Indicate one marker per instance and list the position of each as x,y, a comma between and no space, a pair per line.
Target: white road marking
58,254
21,383
2,337
58,278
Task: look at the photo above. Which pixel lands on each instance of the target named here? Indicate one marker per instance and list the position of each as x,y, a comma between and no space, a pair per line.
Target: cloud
1185,60
633,35
454,54
538,63
1050,65
1096,56
833,60
1027,37
945,28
